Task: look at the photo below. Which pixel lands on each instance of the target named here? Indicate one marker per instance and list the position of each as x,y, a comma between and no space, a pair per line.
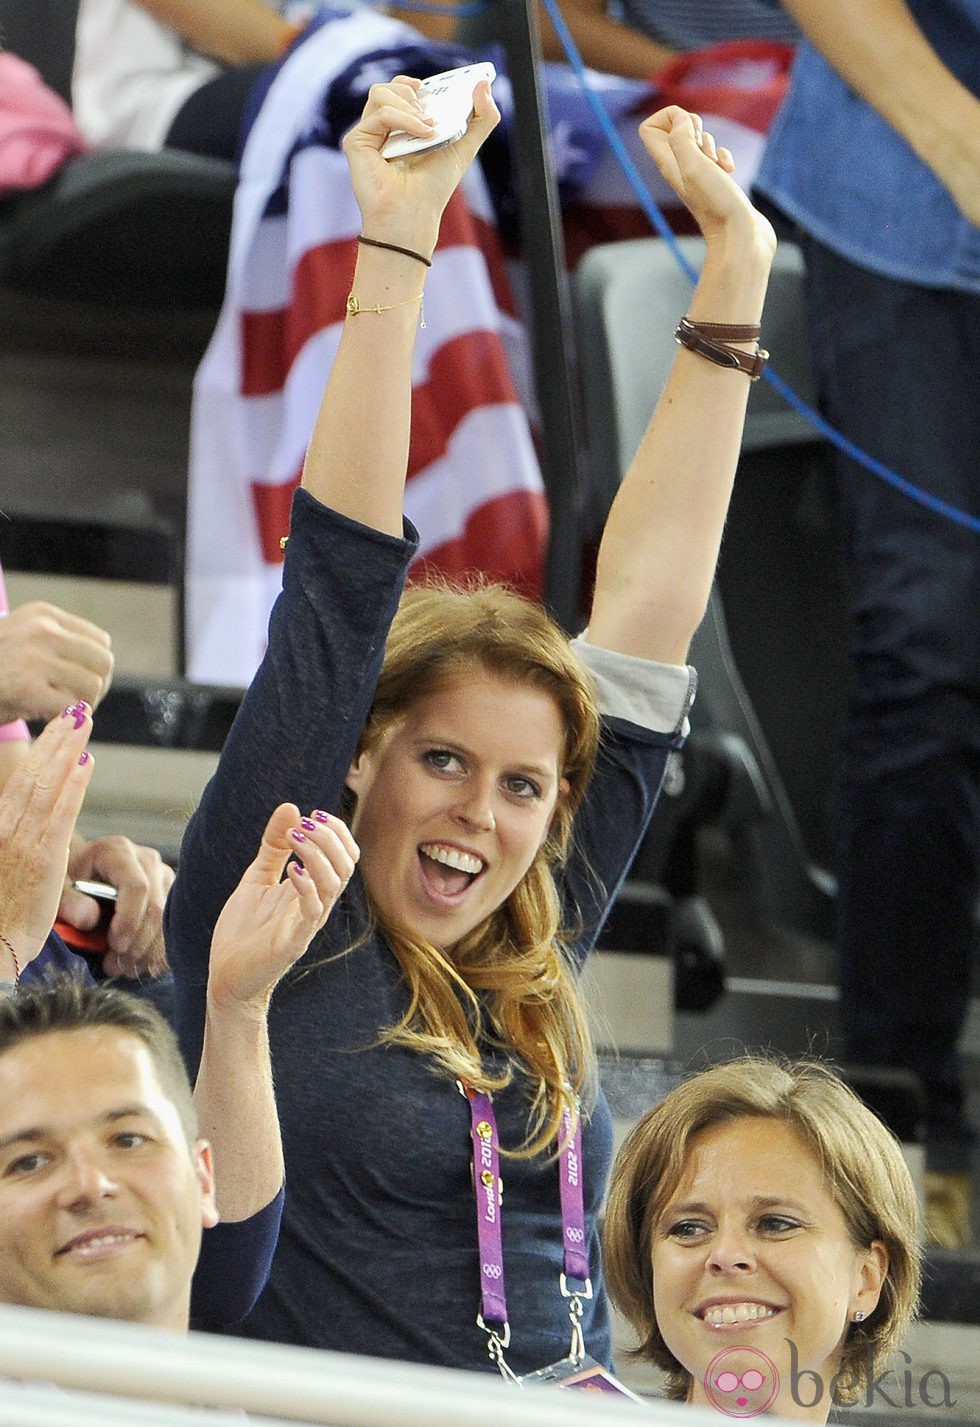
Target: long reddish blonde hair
511,978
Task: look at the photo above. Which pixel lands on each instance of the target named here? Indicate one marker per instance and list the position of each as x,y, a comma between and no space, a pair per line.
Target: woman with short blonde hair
857,1159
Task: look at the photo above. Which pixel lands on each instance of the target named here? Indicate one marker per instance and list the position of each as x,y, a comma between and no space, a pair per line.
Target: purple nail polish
297,836
321,816
83,757
80,713
300,869
70,711
308,824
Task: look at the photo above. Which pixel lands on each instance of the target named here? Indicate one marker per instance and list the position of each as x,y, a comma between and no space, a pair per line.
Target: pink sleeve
17,731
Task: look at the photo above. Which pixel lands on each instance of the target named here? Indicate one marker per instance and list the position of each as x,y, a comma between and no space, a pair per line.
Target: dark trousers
210,120
898,371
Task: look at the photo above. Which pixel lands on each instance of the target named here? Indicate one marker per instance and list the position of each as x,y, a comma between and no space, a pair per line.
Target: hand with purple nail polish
39,806
264,928
278,906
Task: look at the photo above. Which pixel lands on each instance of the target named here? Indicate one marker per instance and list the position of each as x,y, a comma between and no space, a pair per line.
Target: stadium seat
140,229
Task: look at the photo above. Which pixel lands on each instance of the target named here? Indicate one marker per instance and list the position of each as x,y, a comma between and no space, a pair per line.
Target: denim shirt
687,26
840,171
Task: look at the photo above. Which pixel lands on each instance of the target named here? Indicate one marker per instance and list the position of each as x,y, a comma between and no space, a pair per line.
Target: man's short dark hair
64,1004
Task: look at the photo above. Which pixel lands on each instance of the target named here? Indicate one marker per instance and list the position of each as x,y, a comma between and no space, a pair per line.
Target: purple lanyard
572,1203
488,1185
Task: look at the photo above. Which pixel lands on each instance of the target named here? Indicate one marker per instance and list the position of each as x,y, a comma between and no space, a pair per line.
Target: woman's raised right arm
358,455
301,719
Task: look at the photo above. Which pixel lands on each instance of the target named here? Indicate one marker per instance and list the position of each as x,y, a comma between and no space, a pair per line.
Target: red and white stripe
474,491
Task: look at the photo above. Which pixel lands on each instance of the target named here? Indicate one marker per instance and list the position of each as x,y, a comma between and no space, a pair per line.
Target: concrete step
792,1016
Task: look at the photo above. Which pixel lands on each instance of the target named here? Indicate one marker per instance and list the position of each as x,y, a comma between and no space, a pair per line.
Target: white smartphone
447,98
101,891
93,941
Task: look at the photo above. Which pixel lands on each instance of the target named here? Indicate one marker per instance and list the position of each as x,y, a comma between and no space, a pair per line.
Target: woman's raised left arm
660,545
265,927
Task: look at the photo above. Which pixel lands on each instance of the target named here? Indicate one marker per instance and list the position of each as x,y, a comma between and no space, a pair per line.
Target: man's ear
204,1169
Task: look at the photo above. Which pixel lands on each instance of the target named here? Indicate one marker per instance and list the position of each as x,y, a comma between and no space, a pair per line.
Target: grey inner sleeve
652,695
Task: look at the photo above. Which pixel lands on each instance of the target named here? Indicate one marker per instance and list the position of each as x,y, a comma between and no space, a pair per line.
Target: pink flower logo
741,1382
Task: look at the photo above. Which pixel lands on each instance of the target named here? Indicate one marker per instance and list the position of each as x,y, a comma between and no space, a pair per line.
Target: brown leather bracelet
751,363
725,331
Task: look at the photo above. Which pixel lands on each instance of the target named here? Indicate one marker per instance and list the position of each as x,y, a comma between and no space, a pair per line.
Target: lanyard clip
498,1338
576,1297
576,1349
584,1290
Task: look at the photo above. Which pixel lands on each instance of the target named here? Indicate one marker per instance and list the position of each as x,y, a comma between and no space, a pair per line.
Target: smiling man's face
102,1199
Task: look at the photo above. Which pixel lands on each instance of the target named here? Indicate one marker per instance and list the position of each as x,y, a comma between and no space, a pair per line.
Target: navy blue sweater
378,1253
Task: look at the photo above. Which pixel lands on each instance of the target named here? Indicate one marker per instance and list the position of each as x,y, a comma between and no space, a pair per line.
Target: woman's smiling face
454,802
752,1252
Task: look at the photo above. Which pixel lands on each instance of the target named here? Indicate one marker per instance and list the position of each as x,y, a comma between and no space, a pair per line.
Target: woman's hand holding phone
403,202
447,100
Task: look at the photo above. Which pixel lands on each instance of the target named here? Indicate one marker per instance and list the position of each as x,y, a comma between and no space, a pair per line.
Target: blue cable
659,222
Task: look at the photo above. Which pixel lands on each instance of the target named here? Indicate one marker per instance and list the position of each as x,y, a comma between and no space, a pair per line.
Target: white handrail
33,1405
286,1384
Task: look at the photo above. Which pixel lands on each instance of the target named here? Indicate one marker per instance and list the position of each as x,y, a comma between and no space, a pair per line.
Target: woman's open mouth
448,871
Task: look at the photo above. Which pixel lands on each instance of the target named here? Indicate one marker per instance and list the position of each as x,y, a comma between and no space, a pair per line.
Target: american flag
474,491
